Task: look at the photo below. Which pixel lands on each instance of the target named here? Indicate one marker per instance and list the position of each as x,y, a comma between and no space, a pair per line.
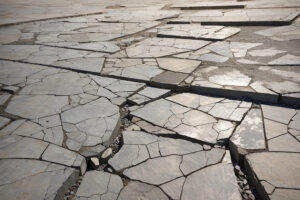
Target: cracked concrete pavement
150,100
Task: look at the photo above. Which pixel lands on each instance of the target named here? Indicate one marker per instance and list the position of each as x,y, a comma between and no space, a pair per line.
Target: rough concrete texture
150,100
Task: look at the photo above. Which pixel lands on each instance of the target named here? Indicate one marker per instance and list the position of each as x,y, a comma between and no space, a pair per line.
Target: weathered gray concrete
149,100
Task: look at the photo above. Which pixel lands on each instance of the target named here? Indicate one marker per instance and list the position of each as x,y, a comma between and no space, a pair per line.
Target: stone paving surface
150,100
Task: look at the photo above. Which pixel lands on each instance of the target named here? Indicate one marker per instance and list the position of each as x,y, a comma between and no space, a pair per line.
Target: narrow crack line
107,186
73,48
207,166
148,151
25,177
49,19
48,143
181,157
53,66
182,187
288,188
137,156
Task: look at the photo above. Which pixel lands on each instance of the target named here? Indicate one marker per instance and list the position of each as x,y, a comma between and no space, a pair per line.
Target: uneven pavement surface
156,100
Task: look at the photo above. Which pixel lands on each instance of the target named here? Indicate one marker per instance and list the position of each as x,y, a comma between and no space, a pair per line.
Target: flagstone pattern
176,100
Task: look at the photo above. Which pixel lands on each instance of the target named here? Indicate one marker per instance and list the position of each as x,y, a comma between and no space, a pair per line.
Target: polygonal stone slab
136,15
57,100
12,146
83,34
168,146
60,57
222,77
98,120
129,155
231,49
68,83
15,73
158,112
138,99
36,106
216,182
99,184
4,121
286,60
137,69
173,188
274,129
278,113
147,171
182,157
158,47
281,170
148,94
195,161
135,190
169,79
64,156
186,121
193,100
281,33
112,88
230,110
285,143
140,146
34,179
154,93
234,78
178,65
249,135
265,52
196,31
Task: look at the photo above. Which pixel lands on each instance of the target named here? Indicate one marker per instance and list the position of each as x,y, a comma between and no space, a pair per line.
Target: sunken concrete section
275,174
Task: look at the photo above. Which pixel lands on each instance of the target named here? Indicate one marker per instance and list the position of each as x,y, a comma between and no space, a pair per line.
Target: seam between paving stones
73,48
264,128
51,18
53,66
77,168
49,163
40,158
